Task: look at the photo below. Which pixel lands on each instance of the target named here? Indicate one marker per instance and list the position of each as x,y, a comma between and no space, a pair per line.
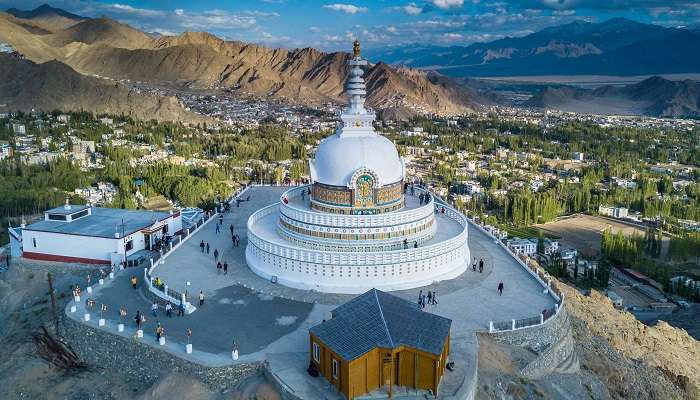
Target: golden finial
356,48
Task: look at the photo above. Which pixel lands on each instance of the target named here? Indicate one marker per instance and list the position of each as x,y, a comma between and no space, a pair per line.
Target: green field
526,232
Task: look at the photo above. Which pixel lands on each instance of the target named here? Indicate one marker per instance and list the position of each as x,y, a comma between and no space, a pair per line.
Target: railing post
513,325
165,289
556,308
541,319
490,326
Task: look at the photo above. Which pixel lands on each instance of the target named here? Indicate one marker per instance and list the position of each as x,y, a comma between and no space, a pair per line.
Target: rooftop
379,319
67,211
103,222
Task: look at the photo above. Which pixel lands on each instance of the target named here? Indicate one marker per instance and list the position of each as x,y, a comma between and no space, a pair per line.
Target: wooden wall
406,366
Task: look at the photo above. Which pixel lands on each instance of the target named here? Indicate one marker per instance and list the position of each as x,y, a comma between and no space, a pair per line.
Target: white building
93,235
615,212
19,129
5,150
550,247
578,156
358,225
527,247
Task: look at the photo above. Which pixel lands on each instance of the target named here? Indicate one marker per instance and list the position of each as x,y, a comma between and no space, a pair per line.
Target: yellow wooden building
378,340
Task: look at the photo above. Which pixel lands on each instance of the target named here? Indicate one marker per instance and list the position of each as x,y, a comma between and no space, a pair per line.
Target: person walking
430,297
218,228
154,309
169,310
500,288
137,318
218,268
201,298
216,254
238,240
231,228
415,244
181,309
207,247
420,296
160,331
481,265
435,298
474,264
201,245
134,281
225,268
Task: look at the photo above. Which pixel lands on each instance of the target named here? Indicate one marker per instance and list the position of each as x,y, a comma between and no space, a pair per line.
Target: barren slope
53,85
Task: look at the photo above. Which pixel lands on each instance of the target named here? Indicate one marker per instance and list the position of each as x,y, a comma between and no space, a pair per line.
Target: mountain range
653,96
59,43
618,46
201,61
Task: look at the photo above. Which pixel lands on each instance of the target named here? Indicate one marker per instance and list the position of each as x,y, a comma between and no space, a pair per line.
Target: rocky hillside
48,18
669,350
654,96
25,85
196,60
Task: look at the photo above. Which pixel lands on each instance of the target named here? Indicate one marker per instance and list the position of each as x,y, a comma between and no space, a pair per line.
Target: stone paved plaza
270,321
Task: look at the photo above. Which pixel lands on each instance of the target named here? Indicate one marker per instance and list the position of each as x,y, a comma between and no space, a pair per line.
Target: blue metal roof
379,319
102,222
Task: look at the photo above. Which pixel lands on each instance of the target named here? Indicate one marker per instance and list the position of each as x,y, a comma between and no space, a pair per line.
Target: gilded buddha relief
364,191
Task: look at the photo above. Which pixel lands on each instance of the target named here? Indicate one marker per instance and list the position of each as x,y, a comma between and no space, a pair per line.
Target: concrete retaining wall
144,363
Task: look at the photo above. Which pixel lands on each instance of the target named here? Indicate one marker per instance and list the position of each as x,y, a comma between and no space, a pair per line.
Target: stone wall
144,363
552,342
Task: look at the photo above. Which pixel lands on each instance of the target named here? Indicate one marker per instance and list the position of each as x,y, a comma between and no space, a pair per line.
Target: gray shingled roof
379,319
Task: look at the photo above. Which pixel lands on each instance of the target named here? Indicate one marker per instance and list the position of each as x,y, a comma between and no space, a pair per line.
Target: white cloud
346,8
314,29
410,9
179,11
261,14
445,4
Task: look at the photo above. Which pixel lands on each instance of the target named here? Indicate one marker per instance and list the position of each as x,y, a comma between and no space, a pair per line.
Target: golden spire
356,48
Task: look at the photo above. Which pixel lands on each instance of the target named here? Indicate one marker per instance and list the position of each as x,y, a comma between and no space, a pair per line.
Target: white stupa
363,226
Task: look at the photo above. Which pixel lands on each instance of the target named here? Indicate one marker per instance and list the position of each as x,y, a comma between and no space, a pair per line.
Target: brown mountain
25,85
47,18
196,60
653,96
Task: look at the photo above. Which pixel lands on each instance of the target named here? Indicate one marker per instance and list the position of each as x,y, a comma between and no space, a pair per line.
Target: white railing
332,258
166,293
540,276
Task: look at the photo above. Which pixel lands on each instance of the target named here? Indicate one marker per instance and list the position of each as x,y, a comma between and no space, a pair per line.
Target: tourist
405,243
201,298
169,310
231,228
420,296
216,254
134,281
415,244
474,264
218,268
238,240
201,246
430,297
233,240
434,297
225,268
181,309
500,288
137,318
154,309
481,265
159,332
420,198
218,228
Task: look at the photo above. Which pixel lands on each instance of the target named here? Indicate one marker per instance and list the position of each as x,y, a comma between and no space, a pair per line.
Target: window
129,245
79,215
34,241
57,217
317,353
335,369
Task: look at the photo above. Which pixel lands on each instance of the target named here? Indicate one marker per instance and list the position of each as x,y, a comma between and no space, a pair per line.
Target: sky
334,24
